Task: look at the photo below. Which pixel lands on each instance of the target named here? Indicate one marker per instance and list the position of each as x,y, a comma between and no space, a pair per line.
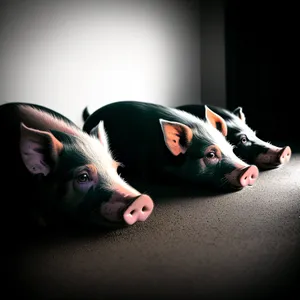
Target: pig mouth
231,188
97,219
227,186
268,166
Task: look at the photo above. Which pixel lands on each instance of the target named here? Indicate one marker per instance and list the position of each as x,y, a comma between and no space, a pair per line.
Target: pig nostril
144,208
245,177
132,212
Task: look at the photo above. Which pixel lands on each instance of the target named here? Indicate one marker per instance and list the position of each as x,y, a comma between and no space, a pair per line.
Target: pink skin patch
274,158
131,210
240,178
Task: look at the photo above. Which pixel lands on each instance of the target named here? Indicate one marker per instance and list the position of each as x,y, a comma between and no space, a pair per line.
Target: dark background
261,65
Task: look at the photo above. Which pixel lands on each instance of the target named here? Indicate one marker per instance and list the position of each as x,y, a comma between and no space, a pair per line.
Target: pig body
247,145
53,171
157,140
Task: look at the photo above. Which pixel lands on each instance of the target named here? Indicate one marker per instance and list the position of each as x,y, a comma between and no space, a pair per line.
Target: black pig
155,139
247,145
55,170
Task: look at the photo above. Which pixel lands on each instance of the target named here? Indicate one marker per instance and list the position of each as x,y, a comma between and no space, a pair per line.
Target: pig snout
126,209
240,178
248,176
274,158
139,210
285,155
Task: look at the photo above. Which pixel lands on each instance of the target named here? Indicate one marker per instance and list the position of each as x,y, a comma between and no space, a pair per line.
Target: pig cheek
246,152
73,196
82,187
209,162
202,164
109,209
240,150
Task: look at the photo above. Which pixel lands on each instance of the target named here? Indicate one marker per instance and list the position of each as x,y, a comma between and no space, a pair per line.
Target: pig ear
177,136
214,119
239,113
99,132
36,148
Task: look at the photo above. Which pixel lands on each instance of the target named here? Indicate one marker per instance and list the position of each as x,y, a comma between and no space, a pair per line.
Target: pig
247,145
56,172
152,139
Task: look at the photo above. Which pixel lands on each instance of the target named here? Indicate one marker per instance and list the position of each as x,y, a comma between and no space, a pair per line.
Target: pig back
134,134
198,110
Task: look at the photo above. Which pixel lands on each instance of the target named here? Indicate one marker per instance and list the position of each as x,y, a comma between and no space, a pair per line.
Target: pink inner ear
172,141
172,132
32,158
214,118
33,144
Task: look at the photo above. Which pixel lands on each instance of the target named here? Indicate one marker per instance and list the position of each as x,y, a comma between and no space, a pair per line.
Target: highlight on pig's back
37,118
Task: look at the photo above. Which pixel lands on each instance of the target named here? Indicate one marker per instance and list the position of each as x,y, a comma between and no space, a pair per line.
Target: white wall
69,54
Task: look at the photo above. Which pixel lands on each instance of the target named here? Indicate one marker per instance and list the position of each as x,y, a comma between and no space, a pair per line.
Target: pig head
247,145
254,150
216,162
71,174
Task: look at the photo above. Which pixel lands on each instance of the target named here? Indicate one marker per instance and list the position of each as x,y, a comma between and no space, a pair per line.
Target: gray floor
242,244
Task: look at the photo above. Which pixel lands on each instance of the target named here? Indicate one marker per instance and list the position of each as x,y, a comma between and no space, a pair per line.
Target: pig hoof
138,210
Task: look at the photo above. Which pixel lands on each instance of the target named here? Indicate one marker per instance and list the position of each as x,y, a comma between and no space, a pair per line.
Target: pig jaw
273,158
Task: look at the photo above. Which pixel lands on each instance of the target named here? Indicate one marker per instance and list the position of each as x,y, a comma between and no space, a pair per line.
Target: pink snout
240,178
248,176
131,210
274,158
285,155
139,210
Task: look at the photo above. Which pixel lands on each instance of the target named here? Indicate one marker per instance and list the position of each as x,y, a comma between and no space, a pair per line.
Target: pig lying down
153,139
55,169
247,145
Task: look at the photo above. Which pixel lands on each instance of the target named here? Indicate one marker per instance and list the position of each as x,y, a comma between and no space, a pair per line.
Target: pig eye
243,139
211,155
82,178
